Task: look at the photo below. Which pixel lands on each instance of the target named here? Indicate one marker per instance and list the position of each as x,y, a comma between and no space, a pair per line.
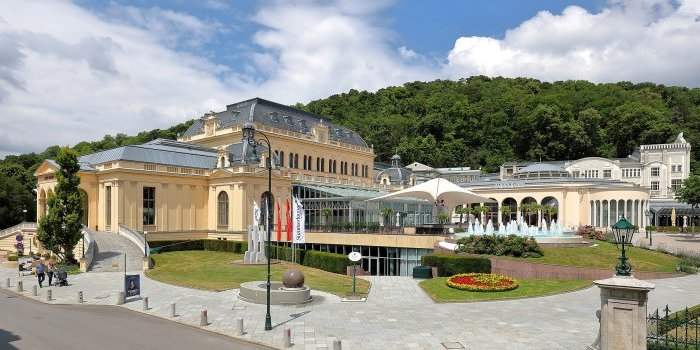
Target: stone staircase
109,253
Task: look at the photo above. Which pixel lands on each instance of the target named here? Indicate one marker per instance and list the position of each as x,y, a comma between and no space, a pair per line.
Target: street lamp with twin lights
248,136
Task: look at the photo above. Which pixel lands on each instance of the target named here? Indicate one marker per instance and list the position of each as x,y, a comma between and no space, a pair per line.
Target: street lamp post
623,231
647,228
145,244
249,137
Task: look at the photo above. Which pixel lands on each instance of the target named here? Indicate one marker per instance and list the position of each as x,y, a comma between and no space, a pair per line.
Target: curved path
398,315
27,324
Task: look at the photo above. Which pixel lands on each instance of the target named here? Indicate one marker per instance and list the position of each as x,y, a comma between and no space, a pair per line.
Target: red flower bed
482,282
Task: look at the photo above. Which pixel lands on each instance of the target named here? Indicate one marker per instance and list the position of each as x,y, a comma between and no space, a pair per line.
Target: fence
674,331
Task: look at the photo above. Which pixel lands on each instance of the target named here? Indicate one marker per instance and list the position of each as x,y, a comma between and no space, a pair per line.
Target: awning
437,190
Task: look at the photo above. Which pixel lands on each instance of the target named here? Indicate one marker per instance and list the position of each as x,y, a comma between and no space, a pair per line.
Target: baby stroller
61,278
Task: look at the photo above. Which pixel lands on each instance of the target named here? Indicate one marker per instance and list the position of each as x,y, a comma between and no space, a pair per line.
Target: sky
73,71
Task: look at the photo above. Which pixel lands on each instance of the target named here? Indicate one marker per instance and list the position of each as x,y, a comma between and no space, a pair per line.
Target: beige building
203,186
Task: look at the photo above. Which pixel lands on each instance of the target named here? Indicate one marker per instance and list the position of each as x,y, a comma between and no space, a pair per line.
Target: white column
609,210
500,214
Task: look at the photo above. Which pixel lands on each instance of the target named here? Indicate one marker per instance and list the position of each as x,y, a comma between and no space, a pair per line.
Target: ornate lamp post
648,226
623,231
249,137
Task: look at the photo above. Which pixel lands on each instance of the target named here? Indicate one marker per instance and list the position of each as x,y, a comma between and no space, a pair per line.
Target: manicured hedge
174,246
285,253
511,245
12,258
225,246
449,265
330,262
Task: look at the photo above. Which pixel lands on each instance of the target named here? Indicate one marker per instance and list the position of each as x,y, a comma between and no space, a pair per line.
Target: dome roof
397,176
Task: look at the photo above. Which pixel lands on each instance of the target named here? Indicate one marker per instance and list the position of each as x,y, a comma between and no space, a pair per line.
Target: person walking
50,270
40,273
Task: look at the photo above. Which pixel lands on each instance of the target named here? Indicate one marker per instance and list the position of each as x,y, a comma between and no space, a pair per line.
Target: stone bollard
49,295
7,283
337,345
203,322
172,310
35,290
145,303
20,286
239,326
287,338
80,297
623,317
121,298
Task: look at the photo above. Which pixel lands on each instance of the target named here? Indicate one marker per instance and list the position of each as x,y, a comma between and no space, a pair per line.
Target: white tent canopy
437,190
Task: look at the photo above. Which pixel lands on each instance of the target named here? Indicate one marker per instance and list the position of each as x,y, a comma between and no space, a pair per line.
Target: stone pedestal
623,311
83,265
146,263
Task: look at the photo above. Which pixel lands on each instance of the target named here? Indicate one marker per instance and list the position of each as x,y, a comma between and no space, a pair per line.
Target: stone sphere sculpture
293,279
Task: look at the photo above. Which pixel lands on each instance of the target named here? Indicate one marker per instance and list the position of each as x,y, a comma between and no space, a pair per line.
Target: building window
108,205
631,172
655,171
590,174
677,168
310,163
576,173
323,164
676,184
291,160
654,185
296,161
149,205
607,173
281,159
222,210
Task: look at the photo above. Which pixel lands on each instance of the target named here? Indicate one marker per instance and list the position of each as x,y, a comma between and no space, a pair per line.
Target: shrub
330,262
588,232
173,246
511,245
286,253
225,246
449,264
12,257
689,263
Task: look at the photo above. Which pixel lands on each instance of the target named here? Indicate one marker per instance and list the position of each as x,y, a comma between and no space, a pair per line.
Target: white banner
256,215
298,230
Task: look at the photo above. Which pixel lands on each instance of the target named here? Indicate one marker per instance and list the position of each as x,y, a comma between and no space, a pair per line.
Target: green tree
689,193
13,199
60,230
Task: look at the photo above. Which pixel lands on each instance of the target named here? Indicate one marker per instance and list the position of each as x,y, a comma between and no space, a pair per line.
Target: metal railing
674,331
19,227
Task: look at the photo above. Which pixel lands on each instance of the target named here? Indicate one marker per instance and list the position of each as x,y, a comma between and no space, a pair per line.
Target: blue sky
417,24
74,70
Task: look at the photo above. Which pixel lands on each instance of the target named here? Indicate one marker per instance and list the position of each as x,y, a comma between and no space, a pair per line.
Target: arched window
318,166
222,210
291,160
310,163
296,160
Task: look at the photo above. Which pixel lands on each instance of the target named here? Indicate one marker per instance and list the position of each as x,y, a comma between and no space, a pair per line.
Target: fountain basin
256,292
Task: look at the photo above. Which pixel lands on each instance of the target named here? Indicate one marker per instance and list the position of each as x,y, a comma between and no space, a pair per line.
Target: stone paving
675,243
397,314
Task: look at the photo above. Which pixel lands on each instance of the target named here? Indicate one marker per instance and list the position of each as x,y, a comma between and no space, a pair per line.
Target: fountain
520,227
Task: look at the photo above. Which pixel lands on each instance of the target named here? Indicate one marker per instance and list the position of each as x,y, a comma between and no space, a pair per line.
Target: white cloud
629,40
68,74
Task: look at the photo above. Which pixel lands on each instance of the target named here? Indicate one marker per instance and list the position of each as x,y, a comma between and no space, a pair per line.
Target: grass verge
212,270
438,290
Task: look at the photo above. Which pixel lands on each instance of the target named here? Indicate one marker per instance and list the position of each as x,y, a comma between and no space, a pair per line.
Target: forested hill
477,122
483,122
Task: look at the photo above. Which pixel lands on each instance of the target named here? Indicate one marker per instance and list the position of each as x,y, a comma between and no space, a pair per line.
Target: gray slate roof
160,151
276,115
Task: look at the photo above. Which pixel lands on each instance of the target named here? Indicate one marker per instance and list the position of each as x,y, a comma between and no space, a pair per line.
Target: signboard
299,231
132,285
355,256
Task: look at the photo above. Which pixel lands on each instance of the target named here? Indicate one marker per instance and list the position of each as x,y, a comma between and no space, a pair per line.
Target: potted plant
386,215
326,213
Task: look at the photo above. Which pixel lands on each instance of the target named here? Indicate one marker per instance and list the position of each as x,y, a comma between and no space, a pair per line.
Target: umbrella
437,190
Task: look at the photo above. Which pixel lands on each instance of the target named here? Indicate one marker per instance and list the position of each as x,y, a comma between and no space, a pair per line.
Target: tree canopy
689,193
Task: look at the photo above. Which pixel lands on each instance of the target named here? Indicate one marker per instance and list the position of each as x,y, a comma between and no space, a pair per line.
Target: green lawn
604,256
216,271
441,293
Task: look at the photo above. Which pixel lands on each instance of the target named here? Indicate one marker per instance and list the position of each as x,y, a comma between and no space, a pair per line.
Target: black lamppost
623,231
249,137
648,226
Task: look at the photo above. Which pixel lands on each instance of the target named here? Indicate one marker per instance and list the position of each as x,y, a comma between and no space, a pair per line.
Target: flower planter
482,282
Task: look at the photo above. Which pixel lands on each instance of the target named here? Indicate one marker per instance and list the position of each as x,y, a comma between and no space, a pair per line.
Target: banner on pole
278,222
298,225
289,222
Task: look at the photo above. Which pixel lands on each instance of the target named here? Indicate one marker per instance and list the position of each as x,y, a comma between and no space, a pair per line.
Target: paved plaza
398,314
675,243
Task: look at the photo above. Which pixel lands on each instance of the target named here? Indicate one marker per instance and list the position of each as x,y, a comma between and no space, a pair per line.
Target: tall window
296,160
291,160
222,210
311,164
149,205
676,184
108,205
281,159
655,171
654,185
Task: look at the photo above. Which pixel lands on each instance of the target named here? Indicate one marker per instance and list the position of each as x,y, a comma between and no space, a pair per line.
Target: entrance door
374,266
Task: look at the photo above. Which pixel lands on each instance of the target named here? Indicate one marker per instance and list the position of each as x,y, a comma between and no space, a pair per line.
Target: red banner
289,222
278,223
